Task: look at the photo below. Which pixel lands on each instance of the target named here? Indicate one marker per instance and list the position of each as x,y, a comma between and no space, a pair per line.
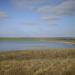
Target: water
24,45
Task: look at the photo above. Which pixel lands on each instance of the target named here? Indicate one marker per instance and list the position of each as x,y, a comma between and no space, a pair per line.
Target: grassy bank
65,40
38,62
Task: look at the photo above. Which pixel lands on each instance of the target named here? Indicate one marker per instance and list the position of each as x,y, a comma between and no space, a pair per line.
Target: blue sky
37,18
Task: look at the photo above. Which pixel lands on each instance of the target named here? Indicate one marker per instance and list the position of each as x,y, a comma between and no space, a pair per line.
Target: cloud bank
66,8
48,11
3,16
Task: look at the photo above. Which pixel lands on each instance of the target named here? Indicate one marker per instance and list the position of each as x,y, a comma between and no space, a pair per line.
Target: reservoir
27,45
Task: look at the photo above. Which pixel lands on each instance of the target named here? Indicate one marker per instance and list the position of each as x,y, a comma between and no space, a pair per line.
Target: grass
65,40
58,61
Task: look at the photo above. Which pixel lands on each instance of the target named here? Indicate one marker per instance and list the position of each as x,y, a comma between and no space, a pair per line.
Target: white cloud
3,14
48,12
65,8
56,12
44,9
50,18
29,23
28,4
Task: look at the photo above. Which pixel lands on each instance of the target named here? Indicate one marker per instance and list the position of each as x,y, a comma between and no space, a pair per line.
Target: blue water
24,45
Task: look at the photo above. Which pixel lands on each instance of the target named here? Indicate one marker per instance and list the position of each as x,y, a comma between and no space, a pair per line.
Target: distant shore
65,40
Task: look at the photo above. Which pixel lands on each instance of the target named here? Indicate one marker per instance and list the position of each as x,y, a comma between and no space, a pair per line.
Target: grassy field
38,62
65,40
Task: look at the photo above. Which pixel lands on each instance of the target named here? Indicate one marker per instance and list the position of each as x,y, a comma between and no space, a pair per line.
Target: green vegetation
65,40
38,62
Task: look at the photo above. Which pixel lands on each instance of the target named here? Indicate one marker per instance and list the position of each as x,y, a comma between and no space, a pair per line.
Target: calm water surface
24,45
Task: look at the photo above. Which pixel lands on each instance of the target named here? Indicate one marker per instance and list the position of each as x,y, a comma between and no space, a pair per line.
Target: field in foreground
38,62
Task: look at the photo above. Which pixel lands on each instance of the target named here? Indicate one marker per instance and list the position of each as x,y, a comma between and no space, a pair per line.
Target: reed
38,62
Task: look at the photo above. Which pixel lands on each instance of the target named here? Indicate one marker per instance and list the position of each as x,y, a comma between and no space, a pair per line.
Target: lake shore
65,40
35,43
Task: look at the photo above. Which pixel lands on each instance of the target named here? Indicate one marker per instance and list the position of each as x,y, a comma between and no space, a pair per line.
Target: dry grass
38,62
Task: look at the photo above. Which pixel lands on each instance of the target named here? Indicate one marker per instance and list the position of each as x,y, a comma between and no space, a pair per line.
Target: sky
37,18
